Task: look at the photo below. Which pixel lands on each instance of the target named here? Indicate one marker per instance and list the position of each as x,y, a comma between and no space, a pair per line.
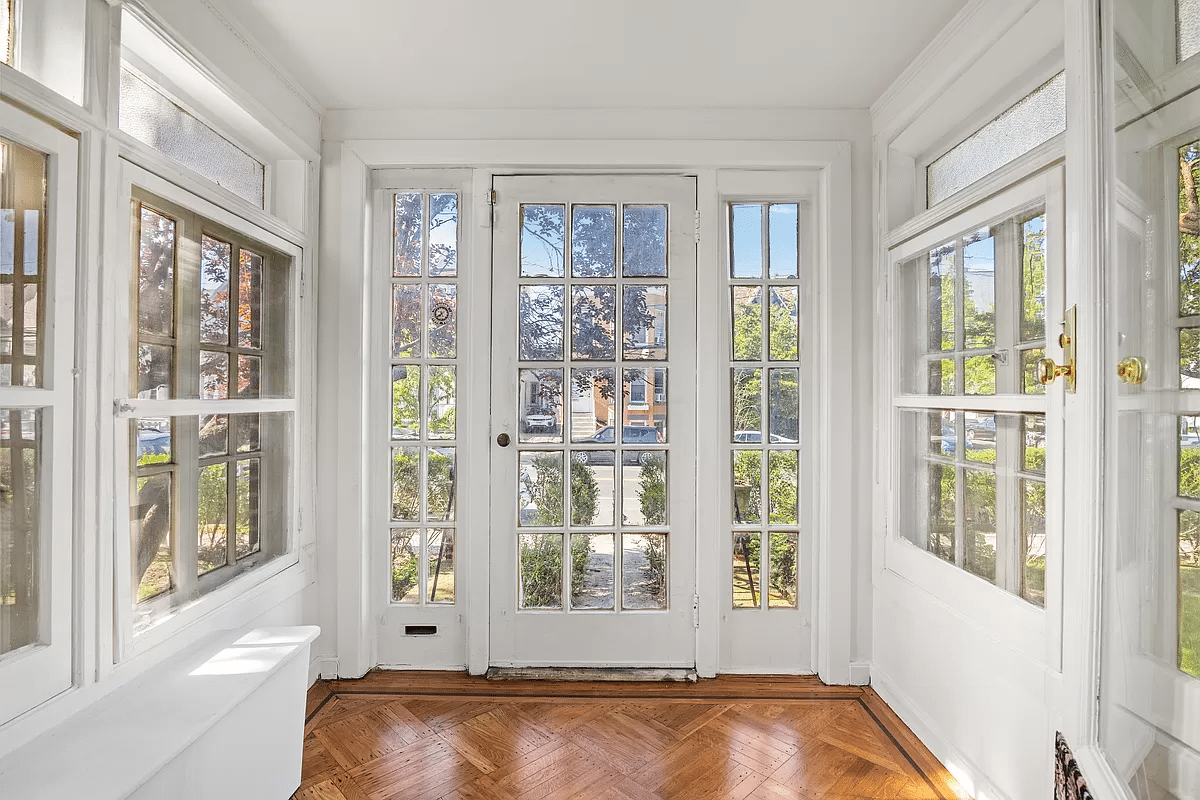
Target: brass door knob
1132,370
1047,371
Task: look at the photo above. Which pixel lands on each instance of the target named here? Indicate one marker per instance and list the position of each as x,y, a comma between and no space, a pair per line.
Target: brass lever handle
1132,370
1047,371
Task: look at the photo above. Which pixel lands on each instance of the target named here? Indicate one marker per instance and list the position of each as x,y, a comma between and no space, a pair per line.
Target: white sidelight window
764,386
211,401
972,315
423,397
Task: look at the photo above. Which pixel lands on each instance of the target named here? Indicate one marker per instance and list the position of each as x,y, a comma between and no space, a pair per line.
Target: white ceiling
491,54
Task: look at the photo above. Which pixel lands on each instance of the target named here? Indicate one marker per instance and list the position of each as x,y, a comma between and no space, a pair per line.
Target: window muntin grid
423,394
764,437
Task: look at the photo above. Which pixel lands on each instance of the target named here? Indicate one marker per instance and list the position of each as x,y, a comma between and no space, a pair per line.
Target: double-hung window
211,402
973,314
37,409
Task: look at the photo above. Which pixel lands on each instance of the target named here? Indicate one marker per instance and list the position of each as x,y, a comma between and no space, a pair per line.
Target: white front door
593,549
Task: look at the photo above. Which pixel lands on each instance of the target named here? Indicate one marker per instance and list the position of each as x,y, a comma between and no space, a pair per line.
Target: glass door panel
1150,670
593,549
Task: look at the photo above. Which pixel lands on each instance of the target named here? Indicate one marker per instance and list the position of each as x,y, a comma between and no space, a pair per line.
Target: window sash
193,215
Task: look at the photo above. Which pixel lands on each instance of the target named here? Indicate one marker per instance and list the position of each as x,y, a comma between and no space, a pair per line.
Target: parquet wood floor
450,736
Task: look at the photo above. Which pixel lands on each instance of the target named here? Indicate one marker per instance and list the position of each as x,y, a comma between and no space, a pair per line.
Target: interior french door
593,421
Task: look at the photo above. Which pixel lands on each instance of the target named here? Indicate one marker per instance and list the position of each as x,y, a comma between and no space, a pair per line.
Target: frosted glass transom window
1187,28
1033,120
152,118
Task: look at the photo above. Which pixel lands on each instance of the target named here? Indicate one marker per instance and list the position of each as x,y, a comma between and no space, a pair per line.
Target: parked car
538,418
630,435
981,433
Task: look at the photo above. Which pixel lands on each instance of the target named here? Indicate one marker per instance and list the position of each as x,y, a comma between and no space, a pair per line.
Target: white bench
222,720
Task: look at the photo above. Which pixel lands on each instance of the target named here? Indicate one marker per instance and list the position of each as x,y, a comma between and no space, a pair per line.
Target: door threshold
679,675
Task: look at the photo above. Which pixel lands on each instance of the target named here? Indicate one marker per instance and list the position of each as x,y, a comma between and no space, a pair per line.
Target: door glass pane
541,323
442,402
747,486
747,405
644,242
594,241
941,293
784,324
406,321
644,487
540,402
539,565
443,320
782,483
747,569
644,570
540,489
214,436
441,488
249,323
406,483
746,241
783,577
593,405
747,323
645,406
784,238
439,556
543,232
406,545
592,570
406,234
644,321
783,405
406,401
22,548
979,510
443,235
593,499
22,263
593,316
1033,541
154,371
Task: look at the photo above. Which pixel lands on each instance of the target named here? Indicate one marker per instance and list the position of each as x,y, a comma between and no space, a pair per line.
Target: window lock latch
1048,370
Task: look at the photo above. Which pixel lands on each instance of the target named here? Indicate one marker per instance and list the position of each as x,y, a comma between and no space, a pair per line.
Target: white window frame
44,670
1010,619
126,644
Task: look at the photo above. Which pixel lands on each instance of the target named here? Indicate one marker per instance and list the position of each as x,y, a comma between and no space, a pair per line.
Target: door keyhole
502,440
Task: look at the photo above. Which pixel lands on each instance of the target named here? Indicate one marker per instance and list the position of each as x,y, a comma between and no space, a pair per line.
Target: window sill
244,587
127,738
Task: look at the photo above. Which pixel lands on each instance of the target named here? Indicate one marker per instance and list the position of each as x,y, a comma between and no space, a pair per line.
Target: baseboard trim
860,673
322,667
964,770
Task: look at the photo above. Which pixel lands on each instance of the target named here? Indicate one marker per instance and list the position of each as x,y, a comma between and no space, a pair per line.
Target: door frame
348,252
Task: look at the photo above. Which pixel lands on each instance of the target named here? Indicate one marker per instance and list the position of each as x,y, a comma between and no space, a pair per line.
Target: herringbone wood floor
448,736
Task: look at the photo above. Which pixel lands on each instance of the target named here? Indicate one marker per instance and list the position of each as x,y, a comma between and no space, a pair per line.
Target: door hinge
491,201
695,611
697,226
